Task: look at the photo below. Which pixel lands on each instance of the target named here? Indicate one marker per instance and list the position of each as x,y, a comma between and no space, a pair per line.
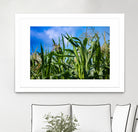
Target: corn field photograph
69,52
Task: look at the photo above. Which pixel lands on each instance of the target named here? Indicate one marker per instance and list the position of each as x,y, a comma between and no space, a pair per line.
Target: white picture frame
23,83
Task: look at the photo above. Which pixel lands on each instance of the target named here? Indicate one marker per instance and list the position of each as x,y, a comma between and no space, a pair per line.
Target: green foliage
60,123
85,59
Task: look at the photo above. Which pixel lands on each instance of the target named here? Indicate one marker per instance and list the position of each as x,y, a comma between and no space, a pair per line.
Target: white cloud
52,34
55,33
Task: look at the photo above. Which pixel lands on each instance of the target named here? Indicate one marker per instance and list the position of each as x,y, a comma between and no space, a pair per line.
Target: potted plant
60,123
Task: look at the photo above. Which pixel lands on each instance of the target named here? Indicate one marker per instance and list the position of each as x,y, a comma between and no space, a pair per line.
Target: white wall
15,108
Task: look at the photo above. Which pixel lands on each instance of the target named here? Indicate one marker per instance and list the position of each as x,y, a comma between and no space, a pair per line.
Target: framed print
69,53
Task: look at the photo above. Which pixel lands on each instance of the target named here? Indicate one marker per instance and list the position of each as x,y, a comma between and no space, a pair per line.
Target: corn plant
84,60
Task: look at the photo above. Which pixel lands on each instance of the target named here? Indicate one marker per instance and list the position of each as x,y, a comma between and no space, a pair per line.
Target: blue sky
44,35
